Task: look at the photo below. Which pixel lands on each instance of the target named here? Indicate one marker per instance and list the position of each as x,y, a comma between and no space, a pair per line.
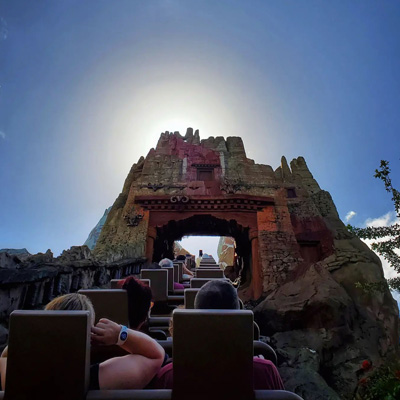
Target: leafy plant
382,383
390,235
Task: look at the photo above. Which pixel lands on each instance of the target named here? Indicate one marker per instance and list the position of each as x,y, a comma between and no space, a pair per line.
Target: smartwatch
123,335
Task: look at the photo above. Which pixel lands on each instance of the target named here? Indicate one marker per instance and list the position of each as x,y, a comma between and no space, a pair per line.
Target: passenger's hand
105,332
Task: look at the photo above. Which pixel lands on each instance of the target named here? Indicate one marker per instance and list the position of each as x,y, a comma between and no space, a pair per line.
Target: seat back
48,355
109,303
115,283
265,350
220,359
146,282
214,266
199,282
209,265
178,270
190,295
159,282
170,271
133,394
276,395
256,331
209,273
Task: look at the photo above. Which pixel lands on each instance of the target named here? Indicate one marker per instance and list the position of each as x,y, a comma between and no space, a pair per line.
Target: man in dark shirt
221,295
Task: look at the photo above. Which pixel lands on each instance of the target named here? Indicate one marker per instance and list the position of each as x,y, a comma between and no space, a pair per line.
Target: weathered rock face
75,253
179,250
39,259
291,245
9,261
320,312
226,251
22,254
95,232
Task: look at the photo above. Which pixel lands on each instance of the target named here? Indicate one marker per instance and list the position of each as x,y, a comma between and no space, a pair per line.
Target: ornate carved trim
238,203
157,186
179,199
206,165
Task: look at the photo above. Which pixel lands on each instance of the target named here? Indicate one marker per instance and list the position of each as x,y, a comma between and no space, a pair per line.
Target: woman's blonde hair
72,301
171,321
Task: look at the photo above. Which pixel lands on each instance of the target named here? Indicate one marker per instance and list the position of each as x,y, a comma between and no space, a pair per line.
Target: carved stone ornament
133,220
179,199
155,186
231,186
158,186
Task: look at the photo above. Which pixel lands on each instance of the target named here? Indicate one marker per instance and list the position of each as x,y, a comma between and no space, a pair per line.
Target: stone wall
32,283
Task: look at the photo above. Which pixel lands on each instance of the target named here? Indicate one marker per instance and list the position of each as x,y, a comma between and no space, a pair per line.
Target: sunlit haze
88,86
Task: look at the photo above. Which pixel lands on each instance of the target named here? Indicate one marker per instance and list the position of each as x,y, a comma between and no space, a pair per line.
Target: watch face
123,336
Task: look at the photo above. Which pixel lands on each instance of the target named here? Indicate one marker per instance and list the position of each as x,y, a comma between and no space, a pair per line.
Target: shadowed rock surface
321,323
20,253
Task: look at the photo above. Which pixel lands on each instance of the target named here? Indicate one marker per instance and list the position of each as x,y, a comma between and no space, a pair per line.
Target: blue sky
86,87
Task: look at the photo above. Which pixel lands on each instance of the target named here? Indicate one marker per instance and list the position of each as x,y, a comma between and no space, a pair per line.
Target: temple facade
187,186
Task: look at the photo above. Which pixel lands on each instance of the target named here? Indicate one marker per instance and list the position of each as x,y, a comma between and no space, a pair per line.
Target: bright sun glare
175,124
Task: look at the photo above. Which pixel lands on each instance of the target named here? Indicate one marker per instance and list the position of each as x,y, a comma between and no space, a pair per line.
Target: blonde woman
132,371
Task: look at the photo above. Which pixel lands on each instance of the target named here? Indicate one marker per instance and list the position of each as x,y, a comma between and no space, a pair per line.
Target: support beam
151,236
256,278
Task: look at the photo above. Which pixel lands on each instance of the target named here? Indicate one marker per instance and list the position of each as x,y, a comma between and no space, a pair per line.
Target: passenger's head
152,265
139,301
218,295
72,301
166,262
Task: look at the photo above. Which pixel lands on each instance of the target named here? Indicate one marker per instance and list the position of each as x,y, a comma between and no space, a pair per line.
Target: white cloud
350,215
2,135
388,271
387,219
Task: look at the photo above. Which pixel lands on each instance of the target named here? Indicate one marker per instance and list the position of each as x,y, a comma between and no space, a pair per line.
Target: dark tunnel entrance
206,225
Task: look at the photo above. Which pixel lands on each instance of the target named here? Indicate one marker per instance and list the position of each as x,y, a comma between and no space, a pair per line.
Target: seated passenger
132,371
151,265
139,301
166,262
221,295
139,306
186,273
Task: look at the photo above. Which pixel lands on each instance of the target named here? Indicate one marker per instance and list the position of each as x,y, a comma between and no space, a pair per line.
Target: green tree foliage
390,235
